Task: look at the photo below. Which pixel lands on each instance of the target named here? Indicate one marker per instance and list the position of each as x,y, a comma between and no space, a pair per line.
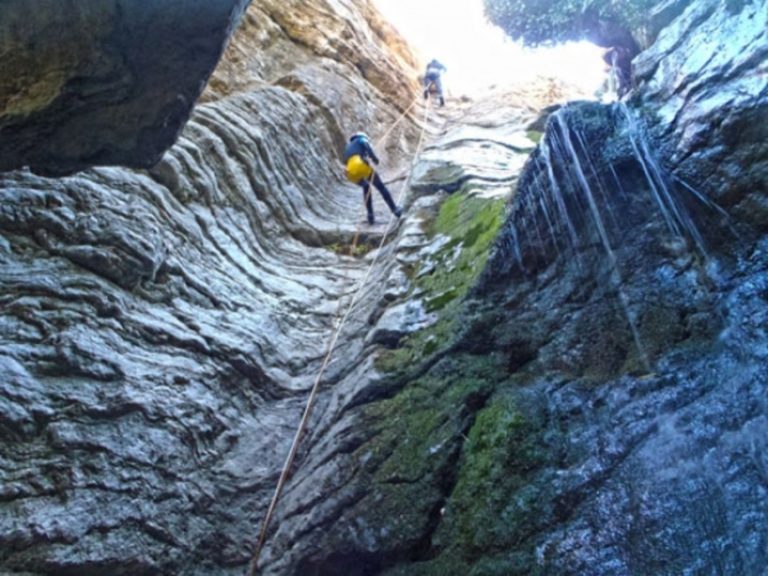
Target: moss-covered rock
471,224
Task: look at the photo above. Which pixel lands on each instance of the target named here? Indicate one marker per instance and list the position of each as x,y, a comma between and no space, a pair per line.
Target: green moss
417,435
471,225
534,136
430,346
357,251
495,504
426,412
415,347
493,443
439,302
415,438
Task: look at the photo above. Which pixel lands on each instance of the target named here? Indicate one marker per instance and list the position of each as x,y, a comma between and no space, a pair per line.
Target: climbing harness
253,569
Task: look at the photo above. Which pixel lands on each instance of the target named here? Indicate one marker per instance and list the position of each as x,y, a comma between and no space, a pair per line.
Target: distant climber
357,156
619,62
432,78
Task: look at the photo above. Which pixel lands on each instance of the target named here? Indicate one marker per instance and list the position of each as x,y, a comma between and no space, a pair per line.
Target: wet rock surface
595,404
369,493
601,407
704,84
138,319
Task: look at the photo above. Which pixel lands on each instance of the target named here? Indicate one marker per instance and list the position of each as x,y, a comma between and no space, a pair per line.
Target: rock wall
602,410
704,85
595,404
160,328
103,82
383,456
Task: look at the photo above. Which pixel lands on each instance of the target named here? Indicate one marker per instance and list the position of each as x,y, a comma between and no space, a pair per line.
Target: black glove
375,161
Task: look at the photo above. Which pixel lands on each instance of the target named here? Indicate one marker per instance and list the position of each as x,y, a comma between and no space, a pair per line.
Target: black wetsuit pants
382,190
434,78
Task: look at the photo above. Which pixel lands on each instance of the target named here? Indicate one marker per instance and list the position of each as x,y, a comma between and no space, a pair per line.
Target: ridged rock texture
84,83
597,406
572,382
160,329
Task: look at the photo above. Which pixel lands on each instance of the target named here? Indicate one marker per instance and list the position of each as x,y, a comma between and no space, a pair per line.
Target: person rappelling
432,79
358,156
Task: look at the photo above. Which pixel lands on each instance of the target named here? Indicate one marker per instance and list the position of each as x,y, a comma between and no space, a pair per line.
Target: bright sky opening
479,54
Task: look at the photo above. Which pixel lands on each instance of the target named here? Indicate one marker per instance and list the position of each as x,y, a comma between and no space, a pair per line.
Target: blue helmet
357,135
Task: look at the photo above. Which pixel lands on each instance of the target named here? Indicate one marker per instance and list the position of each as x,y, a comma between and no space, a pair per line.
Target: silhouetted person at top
432,78
357,156
619,59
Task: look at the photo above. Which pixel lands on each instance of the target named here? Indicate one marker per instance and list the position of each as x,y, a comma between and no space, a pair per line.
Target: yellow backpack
357,169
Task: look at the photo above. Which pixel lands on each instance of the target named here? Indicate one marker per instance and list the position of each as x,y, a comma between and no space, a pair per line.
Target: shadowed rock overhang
103,82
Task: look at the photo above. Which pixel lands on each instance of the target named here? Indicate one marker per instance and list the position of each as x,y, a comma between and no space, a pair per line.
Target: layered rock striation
569,383
160,328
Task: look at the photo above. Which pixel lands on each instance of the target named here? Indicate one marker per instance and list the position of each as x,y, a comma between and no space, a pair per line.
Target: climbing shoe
371,219
442,101
398,212
426,94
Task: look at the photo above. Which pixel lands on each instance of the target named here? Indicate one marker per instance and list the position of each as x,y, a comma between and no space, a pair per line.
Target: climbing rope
253,569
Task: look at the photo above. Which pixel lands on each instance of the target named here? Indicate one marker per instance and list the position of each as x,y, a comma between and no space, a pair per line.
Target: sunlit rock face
103,82
368,496
602,410
331,52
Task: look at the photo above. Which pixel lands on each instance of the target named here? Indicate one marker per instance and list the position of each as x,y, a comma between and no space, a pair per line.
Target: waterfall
595,170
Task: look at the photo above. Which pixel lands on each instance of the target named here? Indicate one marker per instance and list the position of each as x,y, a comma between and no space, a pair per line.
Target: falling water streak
516,248
558,215
676,218
551,219
558,196
550,225
703,199
615,274
673,227
562,149
523,234
582,179
712,205
535,222
553,207
509,245
617,180
603,192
